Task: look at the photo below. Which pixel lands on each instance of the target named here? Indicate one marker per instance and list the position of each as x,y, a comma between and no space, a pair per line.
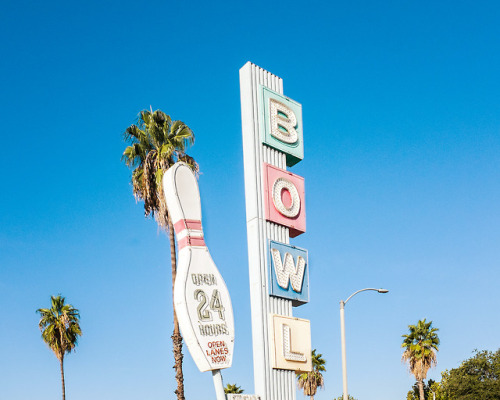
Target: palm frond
133,155
233,388
189,161
167,150
134,134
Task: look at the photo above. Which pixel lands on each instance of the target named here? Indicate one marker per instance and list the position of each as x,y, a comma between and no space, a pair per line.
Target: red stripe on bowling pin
189,233
182,224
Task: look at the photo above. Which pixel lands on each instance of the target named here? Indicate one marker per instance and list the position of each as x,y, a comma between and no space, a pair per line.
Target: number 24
215,305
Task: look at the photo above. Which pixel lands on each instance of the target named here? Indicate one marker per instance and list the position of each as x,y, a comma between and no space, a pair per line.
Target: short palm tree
60,326
421,345
233,389
157,143
309,382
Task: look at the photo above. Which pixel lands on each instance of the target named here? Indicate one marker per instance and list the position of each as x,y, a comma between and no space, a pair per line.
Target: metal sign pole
219,386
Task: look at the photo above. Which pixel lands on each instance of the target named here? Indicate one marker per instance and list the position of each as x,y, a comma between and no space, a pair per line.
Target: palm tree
60,326
233,389
309,382
420,345
157,143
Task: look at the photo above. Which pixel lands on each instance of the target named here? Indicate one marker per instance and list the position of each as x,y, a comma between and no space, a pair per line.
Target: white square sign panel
290,343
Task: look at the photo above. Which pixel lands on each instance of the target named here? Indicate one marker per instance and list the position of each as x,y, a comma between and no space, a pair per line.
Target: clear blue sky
401,108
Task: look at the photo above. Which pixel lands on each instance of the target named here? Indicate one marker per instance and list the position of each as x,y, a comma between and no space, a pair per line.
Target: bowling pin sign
201,298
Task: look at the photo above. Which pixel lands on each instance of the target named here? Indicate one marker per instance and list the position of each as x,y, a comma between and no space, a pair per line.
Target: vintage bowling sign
273,139
201,298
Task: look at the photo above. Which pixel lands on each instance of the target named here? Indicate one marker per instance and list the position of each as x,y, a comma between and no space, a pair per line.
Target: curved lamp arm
362,290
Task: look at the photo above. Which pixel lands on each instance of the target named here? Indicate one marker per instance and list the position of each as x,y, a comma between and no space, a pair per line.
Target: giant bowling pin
201,298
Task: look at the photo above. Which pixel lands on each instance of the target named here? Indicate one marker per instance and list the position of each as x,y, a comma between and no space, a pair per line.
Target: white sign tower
275,209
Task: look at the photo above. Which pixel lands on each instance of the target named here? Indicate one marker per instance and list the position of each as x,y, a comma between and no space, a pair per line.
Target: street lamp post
342,337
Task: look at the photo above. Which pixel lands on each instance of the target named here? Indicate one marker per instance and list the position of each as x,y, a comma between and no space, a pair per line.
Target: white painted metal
270,384
342,343
219,386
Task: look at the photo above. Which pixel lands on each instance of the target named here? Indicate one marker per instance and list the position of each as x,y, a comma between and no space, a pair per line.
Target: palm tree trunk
62,380
176,336
421,389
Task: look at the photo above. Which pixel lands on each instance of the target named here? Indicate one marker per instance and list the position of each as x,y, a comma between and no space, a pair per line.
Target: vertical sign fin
275,211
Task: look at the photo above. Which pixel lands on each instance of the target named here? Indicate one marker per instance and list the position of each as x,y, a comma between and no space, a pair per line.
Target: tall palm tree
157,143
309,382
60,326
420,345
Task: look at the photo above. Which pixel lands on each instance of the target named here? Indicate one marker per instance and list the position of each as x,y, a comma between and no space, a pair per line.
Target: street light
342,336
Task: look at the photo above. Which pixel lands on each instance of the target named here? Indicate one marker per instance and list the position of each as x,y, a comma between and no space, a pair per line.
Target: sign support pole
219,386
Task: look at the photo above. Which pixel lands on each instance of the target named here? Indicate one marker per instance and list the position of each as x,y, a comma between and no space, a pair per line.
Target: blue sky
401,109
